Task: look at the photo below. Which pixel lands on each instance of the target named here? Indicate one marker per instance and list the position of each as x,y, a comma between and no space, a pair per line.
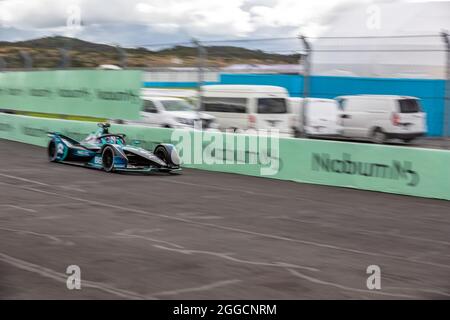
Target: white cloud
170,19
292,12
33,14
232,18
198,17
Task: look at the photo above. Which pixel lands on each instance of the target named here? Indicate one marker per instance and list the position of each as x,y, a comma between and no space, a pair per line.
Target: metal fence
194,63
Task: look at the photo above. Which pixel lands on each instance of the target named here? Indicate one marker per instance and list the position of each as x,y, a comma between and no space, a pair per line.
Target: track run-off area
208,235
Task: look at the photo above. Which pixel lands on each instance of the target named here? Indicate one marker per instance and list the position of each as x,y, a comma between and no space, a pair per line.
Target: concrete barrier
392,169
111,94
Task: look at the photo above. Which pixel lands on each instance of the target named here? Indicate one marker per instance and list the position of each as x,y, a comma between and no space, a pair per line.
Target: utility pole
122,56
65,58
306,77
446,38
3,64
201,60
27,59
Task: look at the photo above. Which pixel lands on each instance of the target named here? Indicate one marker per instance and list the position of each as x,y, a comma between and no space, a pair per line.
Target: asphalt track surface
205,235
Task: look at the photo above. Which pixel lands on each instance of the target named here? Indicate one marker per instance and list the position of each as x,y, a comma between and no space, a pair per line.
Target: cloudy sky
137,22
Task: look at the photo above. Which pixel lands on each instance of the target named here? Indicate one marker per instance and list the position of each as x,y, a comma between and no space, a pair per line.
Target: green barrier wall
400,170
96,93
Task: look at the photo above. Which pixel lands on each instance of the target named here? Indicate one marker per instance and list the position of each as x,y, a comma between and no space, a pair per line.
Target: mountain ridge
46,54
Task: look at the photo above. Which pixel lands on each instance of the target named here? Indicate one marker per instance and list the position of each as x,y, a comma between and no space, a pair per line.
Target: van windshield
409,106
176,105
272,105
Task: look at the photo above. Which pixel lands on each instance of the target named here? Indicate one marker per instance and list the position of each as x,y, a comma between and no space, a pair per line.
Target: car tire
52,151
378,136
296,133
164,155
407,141
108,159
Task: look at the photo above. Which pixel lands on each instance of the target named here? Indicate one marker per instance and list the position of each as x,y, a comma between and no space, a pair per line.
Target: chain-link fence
323,67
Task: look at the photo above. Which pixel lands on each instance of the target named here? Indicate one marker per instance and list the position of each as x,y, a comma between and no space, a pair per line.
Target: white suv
168,112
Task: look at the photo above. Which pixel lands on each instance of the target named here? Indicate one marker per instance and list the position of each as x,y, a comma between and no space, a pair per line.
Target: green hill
46,54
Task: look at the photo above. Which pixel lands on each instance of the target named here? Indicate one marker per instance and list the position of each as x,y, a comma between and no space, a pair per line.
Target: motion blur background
348,47
223,231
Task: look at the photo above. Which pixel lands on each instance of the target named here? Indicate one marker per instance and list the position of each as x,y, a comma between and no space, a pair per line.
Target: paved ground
429,142
204,235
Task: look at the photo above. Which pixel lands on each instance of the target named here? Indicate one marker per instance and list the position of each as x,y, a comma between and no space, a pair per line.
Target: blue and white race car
108,151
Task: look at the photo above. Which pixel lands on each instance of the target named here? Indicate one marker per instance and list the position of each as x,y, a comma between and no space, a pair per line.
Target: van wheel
378,136
407,140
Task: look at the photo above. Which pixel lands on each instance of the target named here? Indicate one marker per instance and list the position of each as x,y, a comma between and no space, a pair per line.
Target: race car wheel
162,153
108,159
52,151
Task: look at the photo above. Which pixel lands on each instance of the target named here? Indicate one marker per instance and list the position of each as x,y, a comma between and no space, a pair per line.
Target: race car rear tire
52,151
164,155
108,159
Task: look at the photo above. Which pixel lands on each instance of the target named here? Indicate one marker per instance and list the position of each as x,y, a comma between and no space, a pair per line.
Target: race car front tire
162,153
108,159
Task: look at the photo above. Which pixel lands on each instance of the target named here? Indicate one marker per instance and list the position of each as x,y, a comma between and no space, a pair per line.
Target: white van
169,112
322,116
242,107
382,117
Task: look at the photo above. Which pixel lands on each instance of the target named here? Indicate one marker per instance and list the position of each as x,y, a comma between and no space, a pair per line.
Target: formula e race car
108,151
